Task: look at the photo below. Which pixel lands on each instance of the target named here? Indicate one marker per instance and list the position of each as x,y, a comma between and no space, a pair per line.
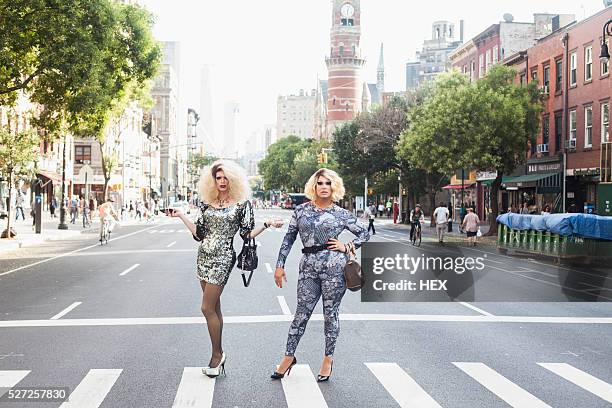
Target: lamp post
604,55
62,225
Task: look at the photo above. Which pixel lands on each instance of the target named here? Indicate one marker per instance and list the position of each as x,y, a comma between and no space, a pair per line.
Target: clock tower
344,64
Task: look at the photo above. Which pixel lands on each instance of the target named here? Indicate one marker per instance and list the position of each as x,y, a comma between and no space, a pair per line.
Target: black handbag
247,260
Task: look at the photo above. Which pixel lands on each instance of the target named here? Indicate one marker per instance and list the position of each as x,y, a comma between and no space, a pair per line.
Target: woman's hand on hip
280,276
336,245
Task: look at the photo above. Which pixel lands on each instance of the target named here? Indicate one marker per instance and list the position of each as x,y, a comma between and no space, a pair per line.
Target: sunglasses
322,183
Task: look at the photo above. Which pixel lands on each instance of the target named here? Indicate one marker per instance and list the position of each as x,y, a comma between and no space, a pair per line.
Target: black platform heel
276,375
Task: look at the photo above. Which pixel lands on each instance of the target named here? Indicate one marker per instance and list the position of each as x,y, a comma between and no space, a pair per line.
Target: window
558,130
488,60
605,67
573,67
558,75
605,122
545,129
495,54
481,66
342,50
534,75
82,153
588,63
473,70
546,76
588,126
572,126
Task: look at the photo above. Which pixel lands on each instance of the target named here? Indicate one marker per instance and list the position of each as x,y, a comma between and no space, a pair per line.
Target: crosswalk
300,389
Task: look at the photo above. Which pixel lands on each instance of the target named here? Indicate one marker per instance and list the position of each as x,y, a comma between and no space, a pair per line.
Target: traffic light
324,154
319,158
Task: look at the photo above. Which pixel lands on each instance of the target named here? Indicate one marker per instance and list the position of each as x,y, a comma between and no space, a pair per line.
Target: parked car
294,199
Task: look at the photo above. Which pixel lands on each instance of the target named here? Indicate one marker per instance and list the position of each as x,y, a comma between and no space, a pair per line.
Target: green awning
490,181
547,181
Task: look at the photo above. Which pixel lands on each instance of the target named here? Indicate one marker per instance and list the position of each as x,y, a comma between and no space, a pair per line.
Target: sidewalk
429,233
27,237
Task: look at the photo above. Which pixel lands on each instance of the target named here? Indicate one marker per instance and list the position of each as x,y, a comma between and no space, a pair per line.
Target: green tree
277,167
17,152
505,120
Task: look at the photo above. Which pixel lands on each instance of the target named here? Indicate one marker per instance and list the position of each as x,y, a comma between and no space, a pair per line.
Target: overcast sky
260,49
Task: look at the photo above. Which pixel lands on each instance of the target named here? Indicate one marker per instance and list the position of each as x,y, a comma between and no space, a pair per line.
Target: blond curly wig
238,183
337,187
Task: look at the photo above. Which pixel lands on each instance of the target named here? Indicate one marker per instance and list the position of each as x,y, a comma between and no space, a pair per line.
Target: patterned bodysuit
321,273
215,228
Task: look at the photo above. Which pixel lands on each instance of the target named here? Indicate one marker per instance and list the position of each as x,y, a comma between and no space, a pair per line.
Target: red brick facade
344,64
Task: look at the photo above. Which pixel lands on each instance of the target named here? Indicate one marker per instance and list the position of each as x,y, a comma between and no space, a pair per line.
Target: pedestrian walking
19,200
368,215
131,209
450,217
53,206
470,225
74,210
462,213
441,215
224,188
388,208
319,223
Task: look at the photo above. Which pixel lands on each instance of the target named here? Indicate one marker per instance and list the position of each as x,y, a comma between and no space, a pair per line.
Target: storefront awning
490,181
548,181
458,186
54,177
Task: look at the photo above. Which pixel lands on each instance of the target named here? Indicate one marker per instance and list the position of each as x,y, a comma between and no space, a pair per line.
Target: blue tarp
582,225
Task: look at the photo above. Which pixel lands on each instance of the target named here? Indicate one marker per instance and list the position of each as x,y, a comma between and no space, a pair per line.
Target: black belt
314,249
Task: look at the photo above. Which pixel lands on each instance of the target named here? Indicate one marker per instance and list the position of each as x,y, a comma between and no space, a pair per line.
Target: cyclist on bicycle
107,212
416,216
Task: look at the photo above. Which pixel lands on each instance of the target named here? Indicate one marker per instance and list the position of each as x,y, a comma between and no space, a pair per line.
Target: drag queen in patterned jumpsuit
321,268
226,210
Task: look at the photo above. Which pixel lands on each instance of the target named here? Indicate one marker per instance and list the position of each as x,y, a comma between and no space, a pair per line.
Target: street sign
359,203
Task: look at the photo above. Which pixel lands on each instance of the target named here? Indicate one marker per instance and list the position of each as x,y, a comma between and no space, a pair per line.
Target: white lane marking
283,305
499,385
301,389
92,390
584,380
10,378
65,311
73,252
477,309
491,260
403,388
195,389
147,321
269,268
170,245
138,251
130,269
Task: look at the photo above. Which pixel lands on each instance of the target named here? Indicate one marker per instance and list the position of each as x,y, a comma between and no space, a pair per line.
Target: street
120,326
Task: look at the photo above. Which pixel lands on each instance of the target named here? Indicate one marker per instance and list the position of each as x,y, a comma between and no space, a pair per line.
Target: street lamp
604,55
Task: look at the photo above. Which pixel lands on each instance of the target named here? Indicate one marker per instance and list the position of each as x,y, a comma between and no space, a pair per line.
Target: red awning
458,186
54,177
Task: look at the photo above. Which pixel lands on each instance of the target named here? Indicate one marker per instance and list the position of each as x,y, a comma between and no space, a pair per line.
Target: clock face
347,10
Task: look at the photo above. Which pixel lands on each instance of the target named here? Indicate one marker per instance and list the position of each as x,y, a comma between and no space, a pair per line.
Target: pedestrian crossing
300,388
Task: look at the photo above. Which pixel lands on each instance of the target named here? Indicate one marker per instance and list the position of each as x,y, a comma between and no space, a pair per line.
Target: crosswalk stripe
301,390
195,390
403,388
584,380
269,268
10,378
499,385
92,390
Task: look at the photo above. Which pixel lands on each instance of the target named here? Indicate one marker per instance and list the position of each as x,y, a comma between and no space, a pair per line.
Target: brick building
576,87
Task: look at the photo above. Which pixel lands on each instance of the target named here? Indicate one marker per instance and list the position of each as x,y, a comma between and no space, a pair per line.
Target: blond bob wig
238,183
337,187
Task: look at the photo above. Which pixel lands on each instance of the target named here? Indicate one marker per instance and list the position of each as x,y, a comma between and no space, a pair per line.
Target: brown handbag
352,271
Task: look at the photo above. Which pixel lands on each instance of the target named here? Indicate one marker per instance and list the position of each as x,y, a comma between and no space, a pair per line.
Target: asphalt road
120,326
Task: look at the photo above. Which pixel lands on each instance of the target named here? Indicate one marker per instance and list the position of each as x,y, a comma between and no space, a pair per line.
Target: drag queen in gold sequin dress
226,209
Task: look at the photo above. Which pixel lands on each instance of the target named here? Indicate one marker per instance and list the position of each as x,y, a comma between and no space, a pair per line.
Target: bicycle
104,231
416,236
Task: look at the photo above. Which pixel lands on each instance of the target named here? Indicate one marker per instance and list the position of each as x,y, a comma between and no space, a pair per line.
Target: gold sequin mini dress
215,229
